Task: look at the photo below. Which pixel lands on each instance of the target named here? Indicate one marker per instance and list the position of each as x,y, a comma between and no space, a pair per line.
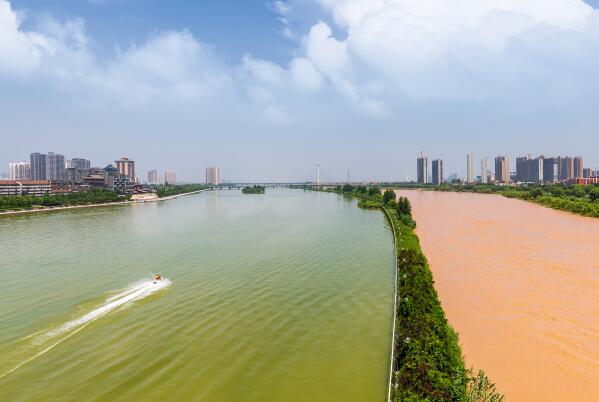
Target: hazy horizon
265,89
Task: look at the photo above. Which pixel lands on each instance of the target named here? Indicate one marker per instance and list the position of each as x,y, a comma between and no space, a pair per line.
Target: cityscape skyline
46,166
307,73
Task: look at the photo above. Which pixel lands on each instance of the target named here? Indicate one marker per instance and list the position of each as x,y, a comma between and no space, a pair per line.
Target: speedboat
157,278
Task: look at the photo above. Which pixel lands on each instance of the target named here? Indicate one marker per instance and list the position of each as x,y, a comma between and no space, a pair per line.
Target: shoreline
395,294
106,204
499,193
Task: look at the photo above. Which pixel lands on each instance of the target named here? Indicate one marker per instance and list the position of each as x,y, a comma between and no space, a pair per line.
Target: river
520,284
279,297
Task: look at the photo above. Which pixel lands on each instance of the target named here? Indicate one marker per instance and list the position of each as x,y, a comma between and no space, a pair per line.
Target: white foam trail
39,343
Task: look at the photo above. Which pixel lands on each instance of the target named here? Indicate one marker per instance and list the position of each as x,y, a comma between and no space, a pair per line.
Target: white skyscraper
469,168
170,177
19,171
213,175
484,170
153,177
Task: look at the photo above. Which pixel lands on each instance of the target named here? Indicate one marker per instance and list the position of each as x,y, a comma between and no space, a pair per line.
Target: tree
594,194
388,195
348,188
374,190
404,207
536,192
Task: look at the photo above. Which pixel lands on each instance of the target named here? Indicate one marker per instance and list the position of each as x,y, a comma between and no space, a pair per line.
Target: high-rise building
536,169
109,173
529,169
77,163
551,170
469,168
438,171
153,177
37,164
502,169
566,168
578,167
55,167
522,168
586,173
125,167
422,169
170,177
484,170
19,171
213,176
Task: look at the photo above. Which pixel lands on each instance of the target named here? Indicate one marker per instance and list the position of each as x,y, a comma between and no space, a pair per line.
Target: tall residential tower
213,176
484,170
422,169
37,164
438,171
502,169
153,177
125,167
170,177
470,168
19,171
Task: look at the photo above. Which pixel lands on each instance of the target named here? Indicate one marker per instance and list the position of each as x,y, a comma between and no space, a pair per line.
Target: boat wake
35,345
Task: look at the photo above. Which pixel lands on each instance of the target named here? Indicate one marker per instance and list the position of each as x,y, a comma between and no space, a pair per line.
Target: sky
266,88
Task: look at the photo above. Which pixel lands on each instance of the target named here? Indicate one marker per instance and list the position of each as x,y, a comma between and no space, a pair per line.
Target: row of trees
95,196
170,190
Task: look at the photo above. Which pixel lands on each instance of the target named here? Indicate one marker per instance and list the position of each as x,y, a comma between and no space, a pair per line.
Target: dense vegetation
253,190
582,200
428,363
172,189
96,196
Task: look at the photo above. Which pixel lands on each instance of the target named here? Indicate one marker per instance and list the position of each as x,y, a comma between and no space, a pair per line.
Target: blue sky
266,88
233,27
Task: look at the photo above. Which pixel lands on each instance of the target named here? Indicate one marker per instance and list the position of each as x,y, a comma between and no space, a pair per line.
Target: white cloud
380,55
304,74
463,48
20,51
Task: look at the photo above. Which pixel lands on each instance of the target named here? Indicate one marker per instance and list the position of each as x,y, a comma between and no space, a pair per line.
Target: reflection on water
520,283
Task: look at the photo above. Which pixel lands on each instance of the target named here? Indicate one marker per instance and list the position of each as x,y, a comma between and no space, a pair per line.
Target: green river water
279,297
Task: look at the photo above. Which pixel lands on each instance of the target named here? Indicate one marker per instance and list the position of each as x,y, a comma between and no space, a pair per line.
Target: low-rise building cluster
52,173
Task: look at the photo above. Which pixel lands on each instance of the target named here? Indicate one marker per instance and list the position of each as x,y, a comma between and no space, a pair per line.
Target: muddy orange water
520,283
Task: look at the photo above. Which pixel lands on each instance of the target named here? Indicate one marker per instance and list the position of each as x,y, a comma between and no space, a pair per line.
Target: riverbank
426,358
580,200
106,204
